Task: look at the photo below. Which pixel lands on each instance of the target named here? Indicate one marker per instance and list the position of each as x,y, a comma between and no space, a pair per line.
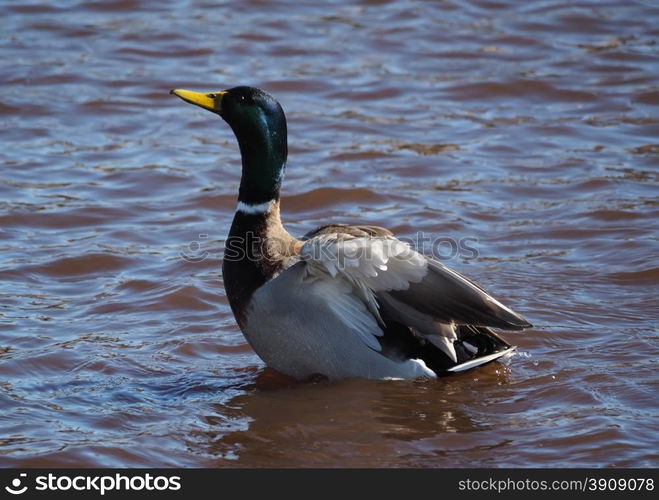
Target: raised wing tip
517,323
505,321
510,319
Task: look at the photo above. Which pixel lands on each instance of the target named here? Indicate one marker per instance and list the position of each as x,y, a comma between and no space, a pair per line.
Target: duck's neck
257,249
258,245
263,149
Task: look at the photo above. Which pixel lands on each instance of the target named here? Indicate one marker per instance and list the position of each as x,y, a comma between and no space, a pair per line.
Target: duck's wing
447,296
403,288
369,256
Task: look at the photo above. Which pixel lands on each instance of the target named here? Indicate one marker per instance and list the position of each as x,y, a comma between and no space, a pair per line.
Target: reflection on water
529,129
333,423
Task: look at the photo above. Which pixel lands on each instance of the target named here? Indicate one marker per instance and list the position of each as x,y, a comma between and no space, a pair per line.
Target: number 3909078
621,484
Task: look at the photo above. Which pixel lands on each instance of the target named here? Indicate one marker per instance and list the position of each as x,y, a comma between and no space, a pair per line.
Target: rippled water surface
530,128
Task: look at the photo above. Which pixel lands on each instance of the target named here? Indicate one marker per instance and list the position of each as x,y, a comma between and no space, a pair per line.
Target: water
532,130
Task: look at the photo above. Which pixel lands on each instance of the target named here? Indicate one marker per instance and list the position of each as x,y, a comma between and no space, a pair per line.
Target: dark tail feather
476,346
479,346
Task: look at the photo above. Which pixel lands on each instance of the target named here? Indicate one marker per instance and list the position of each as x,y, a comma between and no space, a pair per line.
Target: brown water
531,128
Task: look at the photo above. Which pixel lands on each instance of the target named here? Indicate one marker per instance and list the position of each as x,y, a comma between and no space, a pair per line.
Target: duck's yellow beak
211,101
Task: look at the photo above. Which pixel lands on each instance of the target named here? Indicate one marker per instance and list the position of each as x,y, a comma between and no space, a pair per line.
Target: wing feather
386,264
449,297
352,311
366,275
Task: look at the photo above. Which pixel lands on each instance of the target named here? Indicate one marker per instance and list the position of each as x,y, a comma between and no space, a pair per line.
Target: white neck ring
254,208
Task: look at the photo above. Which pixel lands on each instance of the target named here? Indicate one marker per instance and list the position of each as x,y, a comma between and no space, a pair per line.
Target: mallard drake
343,301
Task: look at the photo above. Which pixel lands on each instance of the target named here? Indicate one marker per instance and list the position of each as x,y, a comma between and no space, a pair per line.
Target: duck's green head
259,124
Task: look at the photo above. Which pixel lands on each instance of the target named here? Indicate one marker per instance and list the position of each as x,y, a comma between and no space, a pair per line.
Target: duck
342,301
